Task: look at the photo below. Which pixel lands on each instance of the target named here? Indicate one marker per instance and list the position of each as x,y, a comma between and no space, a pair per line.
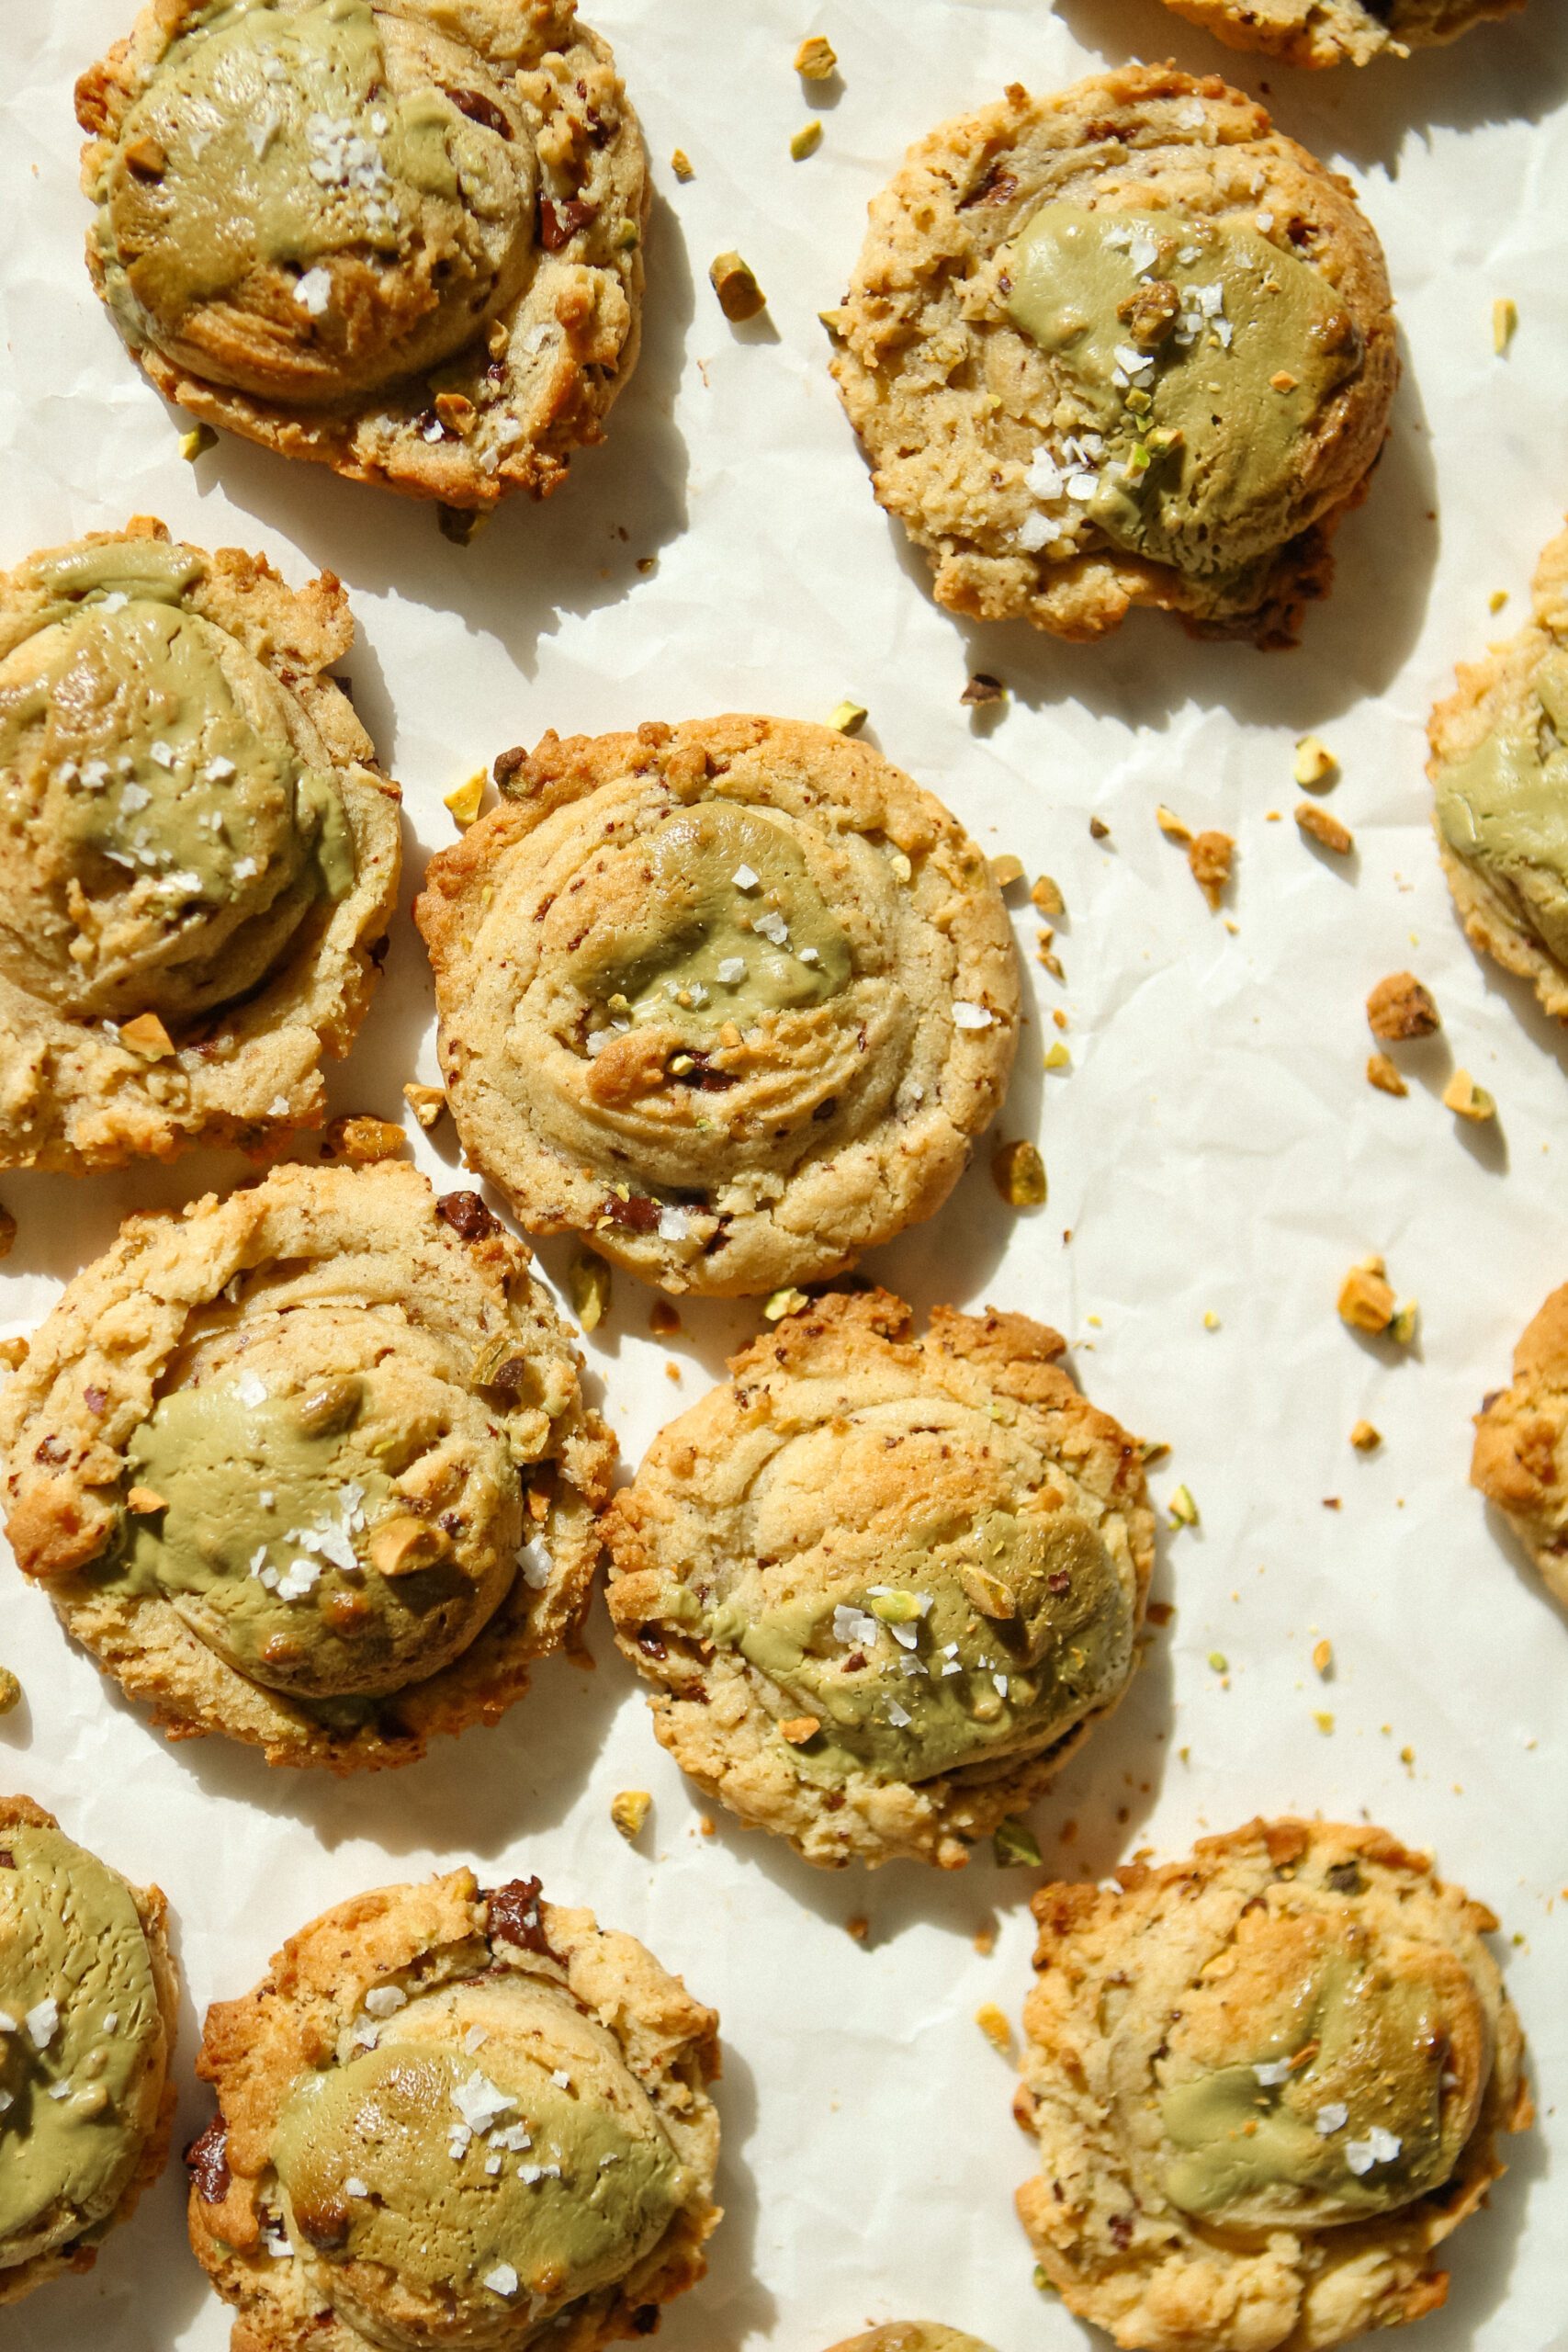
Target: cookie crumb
360,1140
146,1036
984,1940
1098,831
858,1929
806,141
799,1730
629,1810
816,59
982,690
1323,1657
426,1102
739,295
1057,1057
706,1826
1324,829
1497,599
1047,896
1006,871
1171,825
1323,1721
992,2022
1019,1173
1210,857
1366,1296
589,1281
1365,1438
1016,1846
464,799
142,1501
1399,1007
1314,766
1381,1073
1468,1101
681,166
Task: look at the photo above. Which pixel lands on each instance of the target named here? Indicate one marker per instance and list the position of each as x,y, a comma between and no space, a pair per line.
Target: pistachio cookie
455,2117
402,240
912,2336
1499,767
310,1466
1267,2082
883,1587
1520,1461
198,857
732,999
1124,345
88,2002
1338,33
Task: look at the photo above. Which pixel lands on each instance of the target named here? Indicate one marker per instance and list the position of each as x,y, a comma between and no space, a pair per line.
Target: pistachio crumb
10,1692
1019,1173
799,1729
1218,1662
1462,1096
589,1281
1182,1508
1323,1657
142,1501
463,798
1171,825
1016,1846
1057,1056
1210,858
426,1102
739,295
781,1303
146,1036
1365,1438
1323,1721
816,60
359,1140
1402,1331
1504,321
197,443
1381,1073
847,717
681,166
858,1929
1098,831
1210,1321
1314,766
992,2022
1047,896
806,141
984,1940
1006,871
1324,829
983,690
1366,1296
629,1810
1497,599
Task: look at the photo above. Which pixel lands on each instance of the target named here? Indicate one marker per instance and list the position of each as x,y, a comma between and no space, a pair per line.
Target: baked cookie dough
1267,2082
912,2336
1124,345
199,857
89,2004
1499,767
732,999
309,1467
883,1587
1338,33
402,240
459,2118
1520,1461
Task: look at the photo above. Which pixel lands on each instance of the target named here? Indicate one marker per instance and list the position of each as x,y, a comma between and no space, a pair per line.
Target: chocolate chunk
207,2160
513,1916
468,1216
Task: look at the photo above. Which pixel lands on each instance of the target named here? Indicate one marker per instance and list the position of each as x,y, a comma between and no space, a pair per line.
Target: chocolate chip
480,109
513,1916
559,223
207,2160
468,1216
650,1638
638,1212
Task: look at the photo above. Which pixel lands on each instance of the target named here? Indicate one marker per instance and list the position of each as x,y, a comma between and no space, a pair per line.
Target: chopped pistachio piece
847,717
896,1607
992,2022
1020,1175
142,1502
426,1102
146,1036
1171,825
1323,1721
1098,831
1402,1331
1471,1101
629,1810
1497,599
1218,1662
739,295
1325,829
681,166
816,60
589,1284
798,1731
1006,871
1043,2285
806,141
1365,1438
783,1302
457,411
1505,319
1182,1508
1381,1073
463,798
1314,764
1016,1846
360,1140
1057,1056
10,1692
197,443
990,1595
1047,896
1366,1296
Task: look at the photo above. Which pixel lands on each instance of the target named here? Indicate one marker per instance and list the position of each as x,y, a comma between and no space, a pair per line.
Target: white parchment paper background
1215,1148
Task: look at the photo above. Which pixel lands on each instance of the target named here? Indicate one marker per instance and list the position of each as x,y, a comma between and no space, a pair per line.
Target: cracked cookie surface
1339,32
1520,1462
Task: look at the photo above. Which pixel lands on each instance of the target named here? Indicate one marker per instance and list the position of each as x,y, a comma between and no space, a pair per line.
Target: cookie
883,1587
401,240
732,999
1520,1462
1127,345
1339,32
1267,2082
90,1999
199,857
309,1467
912,2336
447,2115
1499,767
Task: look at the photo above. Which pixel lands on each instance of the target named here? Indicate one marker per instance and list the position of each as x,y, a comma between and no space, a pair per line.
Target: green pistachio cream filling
310,201
489,2151
162,842
80,2043
1199,357
1345,2115
1504,806
731,927
332,1537
989,1638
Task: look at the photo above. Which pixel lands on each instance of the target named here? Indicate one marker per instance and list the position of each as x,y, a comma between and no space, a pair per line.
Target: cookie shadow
1508,1543
1485,2251
731,2298
588,546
